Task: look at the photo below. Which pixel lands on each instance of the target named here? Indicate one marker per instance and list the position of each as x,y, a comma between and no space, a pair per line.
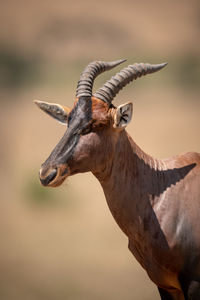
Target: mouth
54,177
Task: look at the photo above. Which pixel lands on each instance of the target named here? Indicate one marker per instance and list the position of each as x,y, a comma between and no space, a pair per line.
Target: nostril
52,175
49,178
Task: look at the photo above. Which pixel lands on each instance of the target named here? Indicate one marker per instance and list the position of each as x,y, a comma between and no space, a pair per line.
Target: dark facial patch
82,112
78,120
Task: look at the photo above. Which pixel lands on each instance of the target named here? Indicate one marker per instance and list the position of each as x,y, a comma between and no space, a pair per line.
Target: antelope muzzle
53,176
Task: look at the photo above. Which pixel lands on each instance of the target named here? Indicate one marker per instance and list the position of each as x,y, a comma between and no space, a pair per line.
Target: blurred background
63,243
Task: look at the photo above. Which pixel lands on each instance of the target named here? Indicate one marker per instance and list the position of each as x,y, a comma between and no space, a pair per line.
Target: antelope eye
86,130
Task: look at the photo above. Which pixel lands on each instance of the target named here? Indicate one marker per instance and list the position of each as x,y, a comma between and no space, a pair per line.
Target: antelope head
94,124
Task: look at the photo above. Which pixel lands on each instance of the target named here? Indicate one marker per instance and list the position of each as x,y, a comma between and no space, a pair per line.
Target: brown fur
100,113
155,202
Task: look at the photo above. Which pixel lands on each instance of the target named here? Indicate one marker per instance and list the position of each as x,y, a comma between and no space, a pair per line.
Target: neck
130,183
137,189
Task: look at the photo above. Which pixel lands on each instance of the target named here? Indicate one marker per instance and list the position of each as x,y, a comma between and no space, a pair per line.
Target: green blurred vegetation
17,69
37,195
21,70
187,71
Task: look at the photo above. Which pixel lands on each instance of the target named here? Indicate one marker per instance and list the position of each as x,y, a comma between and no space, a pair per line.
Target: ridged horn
85,83
110,89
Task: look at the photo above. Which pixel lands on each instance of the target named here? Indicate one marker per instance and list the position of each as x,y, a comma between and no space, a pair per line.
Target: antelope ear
123,115
57,111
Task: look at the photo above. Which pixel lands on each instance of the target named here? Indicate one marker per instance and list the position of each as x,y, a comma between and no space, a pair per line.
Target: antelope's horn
110,89
85,83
